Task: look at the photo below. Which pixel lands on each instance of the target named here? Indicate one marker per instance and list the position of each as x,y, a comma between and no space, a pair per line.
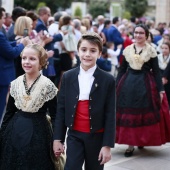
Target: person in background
142,107
163,61
87,109
114,34
107,25
9,51
26,134
113,56
17,12
104,62
8,22
100,21
44,13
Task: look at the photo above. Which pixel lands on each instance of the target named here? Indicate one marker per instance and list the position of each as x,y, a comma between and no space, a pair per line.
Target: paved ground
149,158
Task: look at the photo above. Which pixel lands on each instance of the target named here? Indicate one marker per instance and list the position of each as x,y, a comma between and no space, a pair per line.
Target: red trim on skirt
152,135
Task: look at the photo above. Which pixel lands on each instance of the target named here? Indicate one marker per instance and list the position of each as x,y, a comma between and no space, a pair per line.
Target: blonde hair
85,22
22,23
42,54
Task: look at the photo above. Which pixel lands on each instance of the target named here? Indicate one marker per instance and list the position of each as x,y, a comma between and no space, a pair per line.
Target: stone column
163,11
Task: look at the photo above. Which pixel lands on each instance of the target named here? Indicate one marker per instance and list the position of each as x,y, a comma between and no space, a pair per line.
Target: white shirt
85,79
113,54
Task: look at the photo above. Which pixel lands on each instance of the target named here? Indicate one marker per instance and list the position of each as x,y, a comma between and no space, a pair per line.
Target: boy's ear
99,55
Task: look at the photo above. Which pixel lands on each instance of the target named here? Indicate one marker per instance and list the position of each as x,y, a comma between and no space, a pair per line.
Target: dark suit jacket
41,26
101,106
114,36
7,54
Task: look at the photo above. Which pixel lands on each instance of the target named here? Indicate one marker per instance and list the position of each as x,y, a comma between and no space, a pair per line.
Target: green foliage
41,4
98,8
126,15
78,12
136,7
53,5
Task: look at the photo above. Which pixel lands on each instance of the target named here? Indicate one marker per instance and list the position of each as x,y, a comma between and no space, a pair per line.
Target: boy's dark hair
1,12
93,38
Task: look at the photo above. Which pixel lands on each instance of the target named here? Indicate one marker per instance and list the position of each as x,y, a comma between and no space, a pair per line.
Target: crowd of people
100,81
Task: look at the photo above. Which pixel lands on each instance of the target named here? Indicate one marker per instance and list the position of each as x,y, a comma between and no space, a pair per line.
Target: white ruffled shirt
85,79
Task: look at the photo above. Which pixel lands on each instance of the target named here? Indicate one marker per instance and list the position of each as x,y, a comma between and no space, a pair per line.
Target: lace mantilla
136,61
43,91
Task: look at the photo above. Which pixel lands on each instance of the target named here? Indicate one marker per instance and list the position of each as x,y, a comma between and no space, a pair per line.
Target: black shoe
140,147
129,152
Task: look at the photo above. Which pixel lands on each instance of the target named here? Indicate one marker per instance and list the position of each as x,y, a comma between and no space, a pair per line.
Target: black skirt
138,101
27,143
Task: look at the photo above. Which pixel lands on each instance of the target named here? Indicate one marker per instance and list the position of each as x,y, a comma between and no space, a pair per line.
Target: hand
50,53
58,148
119,46
25,41
161,95
104,155
164,81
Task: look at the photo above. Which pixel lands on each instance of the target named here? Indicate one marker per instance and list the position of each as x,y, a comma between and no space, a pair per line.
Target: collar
89,71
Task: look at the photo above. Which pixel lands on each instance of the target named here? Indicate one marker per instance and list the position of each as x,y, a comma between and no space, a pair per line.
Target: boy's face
88,54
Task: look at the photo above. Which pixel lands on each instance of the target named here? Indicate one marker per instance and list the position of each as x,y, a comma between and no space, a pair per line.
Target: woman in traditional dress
142,107
25,134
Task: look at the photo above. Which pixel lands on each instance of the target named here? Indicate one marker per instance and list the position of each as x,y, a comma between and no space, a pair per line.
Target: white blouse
85,79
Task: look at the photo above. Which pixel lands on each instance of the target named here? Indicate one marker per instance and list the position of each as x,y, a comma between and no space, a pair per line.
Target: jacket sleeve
110,116
52,107
166,72
7,50
156,73
122,70
59,126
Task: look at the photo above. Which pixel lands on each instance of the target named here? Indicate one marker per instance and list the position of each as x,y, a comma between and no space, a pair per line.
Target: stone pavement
149,158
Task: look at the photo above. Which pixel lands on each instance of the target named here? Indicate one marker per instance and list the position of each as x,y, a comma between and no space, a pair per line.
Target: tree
53,5
136,7
98,8
78,12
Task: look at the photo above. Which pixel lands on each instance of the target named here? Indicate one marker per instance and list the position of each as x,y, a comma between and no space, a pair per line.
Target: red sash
82,117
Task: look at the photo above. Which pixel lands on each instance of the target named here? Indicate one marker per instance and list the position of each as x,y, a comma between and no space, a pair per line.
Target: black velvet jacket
101,105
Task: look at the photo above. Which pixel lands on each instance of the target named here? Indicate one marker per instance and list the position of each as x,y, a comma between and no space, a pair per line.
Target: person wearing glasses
140,97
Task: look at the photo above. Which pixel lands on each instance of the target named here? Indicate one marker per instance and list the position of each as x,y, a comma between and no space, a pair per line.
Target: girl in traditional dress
142,107
25,134
163,61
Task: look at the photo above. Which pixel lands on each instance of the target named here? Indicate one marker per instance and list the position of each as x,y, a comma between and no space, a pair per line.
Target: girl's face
88,54
30,61
139,35
165,50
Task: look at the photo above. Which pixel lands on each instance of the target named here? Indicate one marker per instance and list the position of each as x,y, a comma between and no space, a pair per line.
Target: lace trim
136,61
43,91
163,62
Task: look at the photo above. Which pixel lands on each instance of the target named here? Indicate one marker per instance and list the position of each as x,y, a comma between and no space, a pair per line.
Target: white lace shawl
42,91
163,63
147,53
